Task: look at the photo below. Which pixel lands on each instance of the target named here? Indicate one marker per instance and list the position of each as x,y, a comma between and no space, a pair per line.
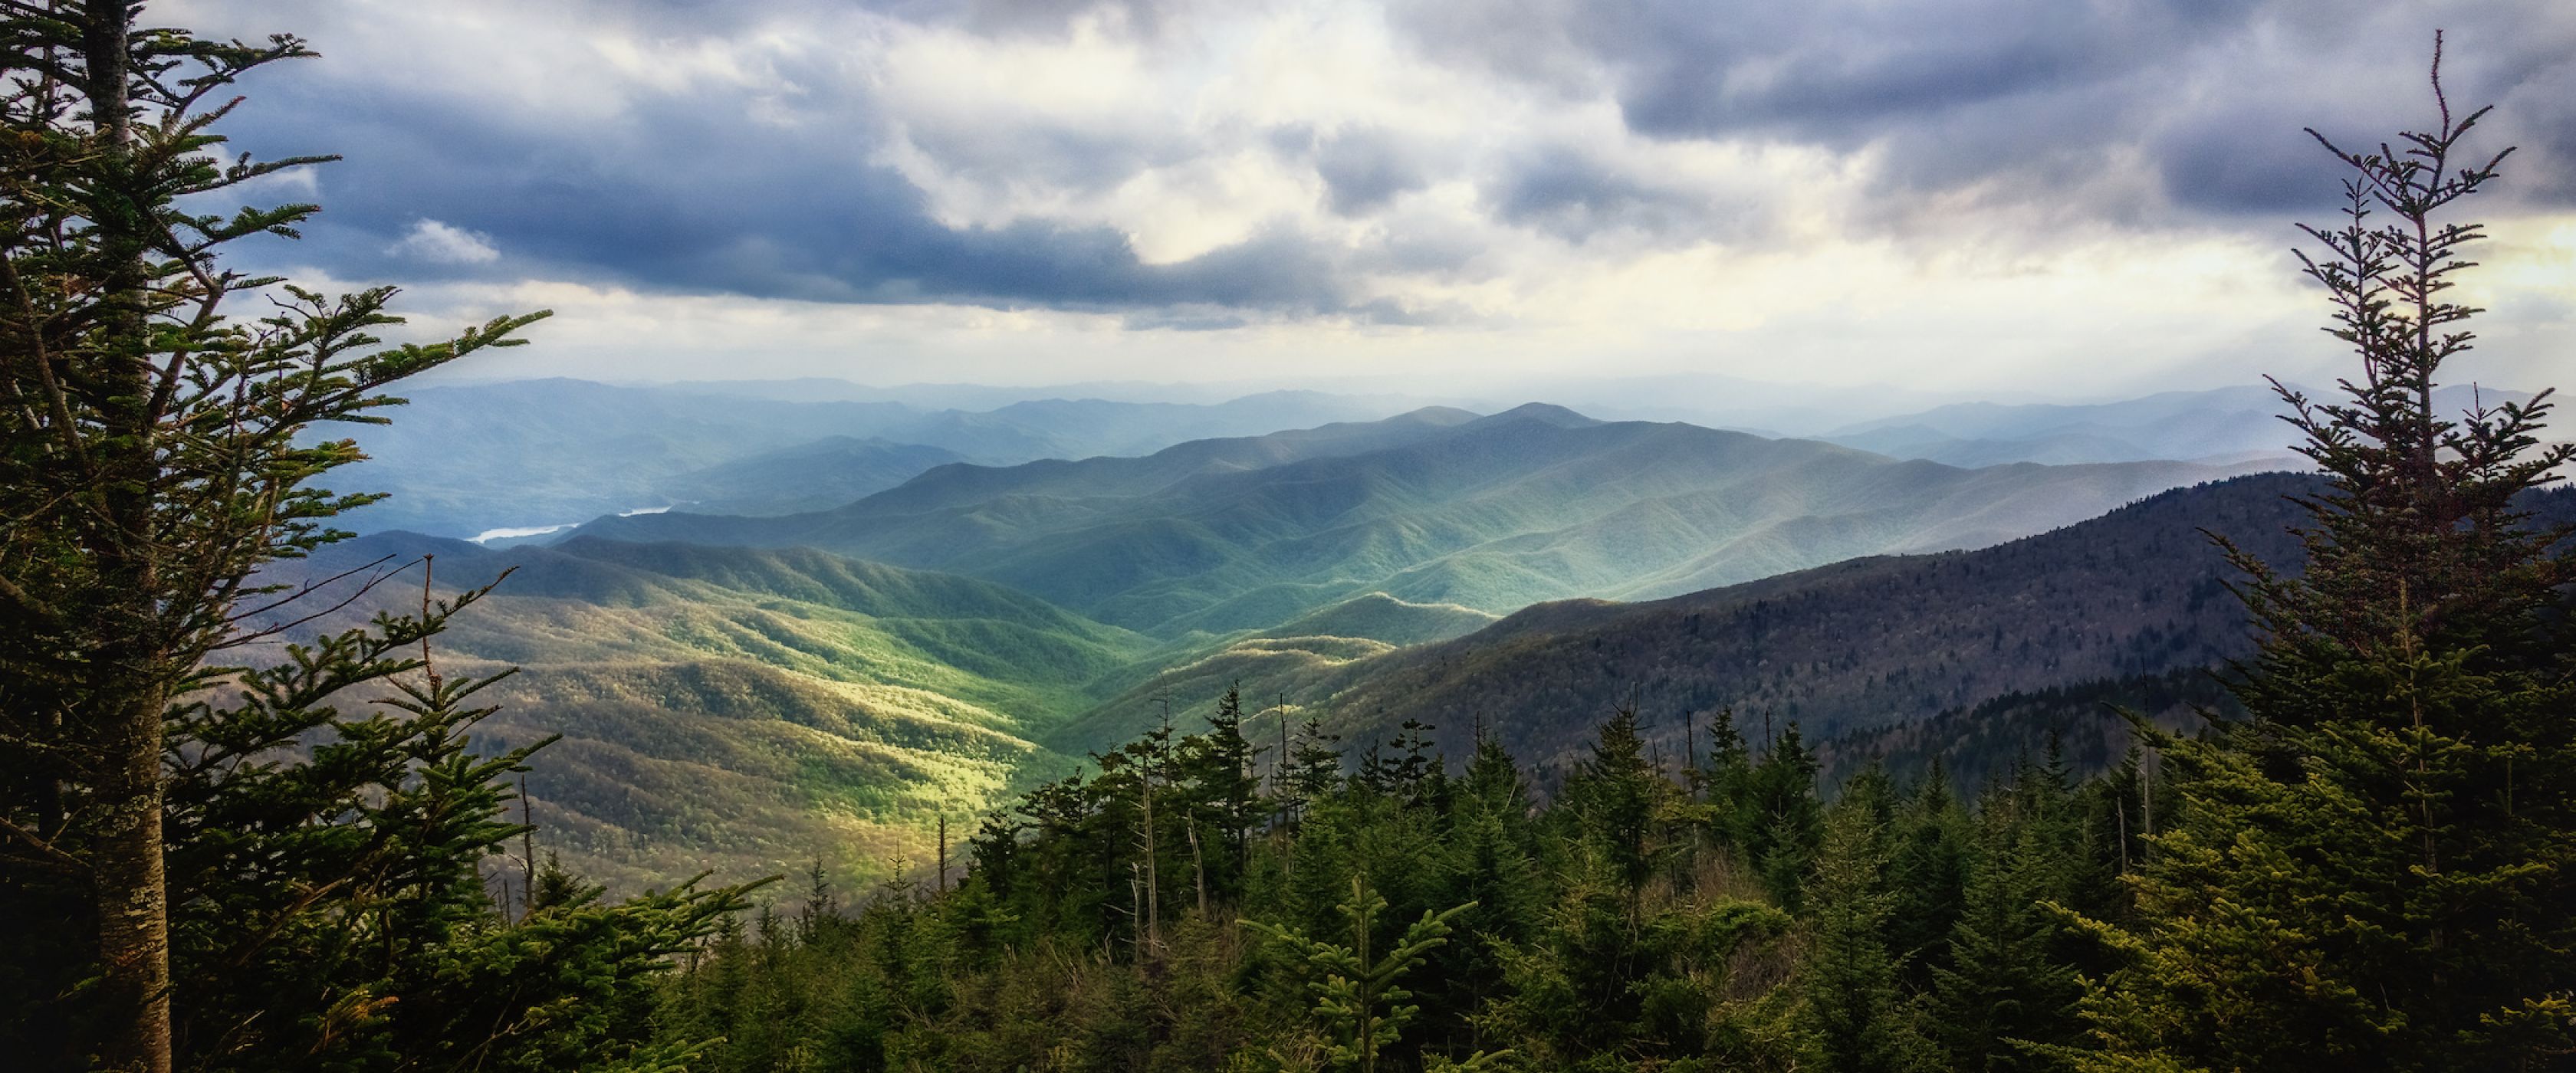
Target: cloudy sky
2032,198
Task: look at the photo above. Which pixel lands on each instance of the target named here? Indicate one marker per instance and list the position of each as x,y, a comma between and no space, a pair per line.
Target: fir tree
1927,876
1856,1016
1783,822
1357,996
1617,796
153,455
1223,794
2371,872
2001,987
1314,765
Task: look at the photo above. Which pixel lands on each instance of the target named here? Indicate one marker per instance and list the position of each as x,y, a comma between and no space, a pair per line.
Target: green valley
746,710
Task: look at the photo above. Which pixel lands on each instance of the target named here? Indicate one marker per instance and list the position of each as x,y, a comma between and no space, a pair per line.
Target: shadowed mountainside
1847,648
1857,644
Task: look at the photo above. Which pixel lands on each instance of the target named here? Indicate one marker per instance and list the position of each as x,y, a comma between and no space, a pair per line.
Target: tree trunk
131,895
133,917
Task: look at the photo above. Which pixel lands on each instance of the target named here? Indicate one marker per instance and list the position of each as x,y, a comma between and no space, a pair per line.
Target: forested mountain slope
1492,514
1849,647
746,709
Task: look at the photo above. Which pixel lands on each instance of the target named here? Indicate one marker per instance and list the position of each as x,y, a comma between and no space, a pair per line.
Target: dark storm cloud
1365,169
1573,196
2128,112
686,194
2035,98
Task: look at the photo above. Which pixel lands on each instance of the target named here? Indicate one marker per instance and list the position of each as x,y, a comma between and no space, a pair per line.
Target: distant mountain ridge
2221,425
529,453
1492,514
808,476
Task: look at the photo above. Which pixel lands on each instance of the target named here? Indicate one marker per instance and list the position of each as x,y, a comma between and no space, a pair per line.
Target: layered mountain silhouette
462,460
2227,425
754,690
1432,507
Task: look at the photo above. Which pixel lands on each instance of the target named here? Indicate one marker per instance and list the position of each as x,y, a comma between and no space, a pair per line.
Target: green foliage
2371,871
2004,987
1426,515
1856,1014
1357,997
731,708
1531,937
1618,800
235,871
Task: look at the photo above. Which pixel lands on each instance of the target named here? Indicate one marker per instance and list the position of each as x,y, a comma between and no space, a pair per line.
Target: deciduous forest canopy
2277,772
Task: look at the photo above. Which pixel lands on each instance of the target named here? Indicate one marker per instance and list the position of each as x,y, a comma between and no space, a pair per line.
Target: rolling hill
1859,643
748,710
1491,514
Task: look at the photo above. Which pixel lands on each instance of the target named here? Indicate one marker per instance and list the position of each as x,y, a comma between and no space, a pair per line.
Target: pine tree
1418,774
152,451
2001,986
1927,876
1617,797
2372,872
1357,996
1223,794
1783,822
1728,782
1856,1016
1314,765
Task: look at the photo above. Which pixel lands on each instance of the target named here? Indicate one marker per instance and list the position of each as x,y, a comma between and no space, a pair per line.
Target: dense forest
1173,912
2358,859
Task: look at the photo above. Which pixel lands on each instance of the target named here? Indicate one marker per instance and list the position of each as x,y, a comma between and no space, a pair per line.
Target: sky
2062,199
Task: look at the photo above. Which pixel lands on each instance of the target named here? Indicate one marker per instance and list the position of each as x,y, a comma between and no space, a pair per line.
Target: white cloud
1519,197
438,243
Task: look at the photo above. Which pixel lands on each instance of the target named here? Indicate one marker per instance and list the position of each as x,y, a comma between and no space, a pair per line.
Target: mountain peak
1547,413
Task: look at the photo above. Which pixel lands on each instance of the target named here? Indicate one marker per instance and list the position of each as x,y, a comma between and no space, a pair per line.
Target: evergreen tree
1488,866
1728,783
153,454
2001,987
2372,871
1783,823
1856,1016
1223,794
1617,797
1418,775
252,876
1357,996
1927,876
1314,765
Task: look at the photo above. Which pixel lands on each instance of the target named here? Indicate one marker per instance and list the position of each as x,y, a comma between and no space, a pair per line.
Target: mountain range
882,632
2225,425
2111,606
1431,507
530,454
539,455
